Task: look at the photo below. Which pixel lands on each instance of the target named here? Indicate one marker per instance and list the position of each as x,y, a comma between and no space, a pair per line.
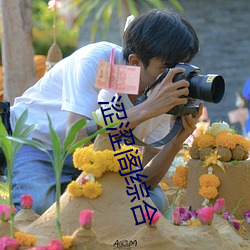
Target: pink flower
55,245
8,243
86,218
54,4
219,206
151,220
5,212
206,215
26,201
176,217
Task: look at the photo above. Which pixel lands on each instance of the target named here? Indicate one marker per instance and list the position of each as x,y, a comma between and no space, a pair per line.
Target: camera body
209,88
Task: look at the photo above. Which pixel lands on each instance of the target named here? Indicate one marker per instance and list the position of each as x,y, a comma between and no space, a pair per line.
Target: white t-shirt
69,86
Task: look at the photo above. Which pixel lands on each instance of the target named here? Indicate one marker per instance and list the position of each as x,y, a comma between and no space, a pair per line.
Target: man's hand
167,94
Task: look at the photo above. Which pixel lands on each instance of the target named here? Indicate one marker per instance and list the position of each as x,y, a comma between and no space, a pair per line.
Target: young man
154,41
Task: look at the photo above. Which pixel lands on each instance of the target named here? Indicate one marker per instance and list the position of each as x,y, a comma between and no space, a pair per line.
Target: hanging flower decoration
208,186
180,177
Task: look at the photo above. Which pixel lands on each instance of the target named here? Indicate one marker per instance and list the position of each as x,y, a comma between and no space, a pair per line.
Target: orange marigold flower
208,192
67,242
24,239
180,177
206,141
225,139
242,141
209,180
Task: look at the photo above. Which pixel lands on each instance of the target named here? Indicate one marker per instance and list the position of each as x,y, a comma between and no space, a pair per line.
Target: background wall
224,32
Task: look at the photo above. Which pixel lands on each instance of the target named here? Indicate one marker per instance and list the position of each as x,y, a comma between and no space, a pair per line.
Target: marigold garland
180,177
75,189
206,141
92,189
226,139
209,180
208,192
24,239
96,163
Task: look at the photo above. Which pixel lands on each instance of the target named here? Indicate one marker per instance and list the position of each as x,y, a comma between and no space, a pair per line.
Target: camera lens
209,88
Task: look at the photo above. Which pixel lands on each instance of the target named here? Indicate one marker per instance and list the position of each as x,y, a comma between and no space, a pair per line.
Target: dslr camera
209,88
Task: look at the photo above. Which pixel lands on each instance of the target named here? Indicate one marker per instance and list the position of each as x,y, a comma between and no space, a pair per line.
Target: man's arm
72,119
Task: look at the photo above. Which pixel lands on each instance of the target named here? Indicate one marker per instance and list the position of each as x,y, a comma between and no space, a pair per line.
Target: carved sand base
114,225
234,184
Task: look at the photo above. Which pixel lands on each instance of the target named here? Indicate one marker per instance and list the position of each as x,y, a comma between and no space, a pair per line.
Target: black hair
161,34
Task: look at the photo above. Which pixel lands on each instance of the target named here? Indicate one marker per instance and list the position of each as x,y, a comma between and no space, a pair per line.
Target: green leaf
20,123
24,134
32,143
85,140
5,144
172,207
71,136
56,147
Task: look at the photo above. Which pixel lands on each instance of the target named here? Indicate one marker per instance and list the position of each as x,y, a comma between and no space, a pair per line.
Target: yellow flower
180,177
193,223
27,240
67,242
209,180
83,156
206,141
208,192
75,189
164,186
92,189
93,169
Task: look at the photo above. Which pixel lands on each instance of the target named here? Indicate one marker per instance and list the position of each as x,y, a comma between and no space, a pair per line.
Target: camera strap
173,132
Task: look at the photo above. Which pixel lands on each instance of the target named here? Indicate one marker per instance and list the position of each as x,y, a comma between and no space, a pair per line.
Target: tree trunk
17,48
